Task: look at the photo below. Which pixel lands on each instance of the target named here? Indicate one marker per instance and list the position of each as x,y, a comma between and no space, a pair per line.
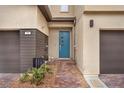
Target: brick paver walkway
113,80
68,75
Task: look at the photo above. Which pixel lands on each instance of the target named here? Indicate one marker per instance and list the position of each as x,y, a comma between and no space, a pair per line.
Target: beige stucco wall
54,42
22,17
87,39
91,44
55,11
104,8
60,24
12,17
78,11
79,43
42,24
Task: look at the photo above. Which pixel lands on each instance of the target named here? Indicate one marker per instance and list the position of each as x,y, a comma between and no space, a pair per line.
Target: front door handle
60,46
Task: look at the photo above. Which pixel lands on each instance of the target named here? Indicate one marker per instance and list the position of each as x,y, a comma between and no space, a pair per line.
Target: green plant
36,75
25,77
46,68
39,73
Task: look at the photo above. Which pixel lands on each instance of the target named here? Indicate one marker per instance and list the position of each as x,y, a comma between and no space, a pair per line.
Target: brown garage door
112,52
9,52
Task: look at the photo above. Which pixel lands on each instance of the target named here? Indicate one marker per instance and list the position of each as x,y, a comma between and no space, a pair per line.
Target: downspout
74,40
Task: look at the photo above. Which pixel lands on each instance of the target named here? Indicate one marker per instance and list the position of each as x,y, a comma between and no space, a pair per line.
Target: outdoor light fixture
27,33
91,23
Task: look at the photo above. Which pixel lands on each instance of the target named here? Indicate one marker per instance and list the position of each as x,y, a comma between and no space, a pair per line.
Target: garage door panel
112,52
9,52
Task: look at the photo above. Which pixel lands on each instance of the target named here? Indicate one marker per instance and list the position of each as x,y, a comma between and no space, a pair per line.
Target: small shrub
36,75
25,77
47,69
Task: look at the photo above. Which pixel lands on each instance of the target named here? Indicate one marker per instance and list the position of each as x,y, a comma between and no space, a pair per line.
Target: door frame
69,48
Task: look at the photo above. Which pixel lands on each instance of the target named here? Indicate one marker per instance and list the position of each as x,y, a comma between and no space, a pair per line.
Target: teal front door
64,44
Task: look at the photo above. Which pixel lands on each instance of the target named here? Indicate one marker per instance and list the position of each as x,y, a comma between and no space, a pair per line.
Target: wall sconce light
91,23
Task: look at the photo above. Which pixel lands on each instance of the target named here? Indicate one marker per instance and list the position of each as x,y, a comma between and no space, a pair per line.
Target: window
64,8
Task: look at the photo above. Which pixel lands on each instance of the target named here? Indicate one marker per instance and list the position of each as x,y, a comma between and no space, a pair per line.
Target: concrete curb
94,81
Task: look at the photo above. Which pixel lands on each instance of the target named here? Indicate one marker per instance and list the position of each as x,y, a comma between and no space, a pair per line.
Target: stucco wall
42,23
91,38
78,10
104,8
15,17
79,43
22,17
54,42
60,24
87,39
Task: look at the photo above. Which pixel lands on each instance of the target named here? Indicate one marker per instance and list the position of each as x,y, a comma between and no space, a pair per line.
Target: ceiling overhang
47,14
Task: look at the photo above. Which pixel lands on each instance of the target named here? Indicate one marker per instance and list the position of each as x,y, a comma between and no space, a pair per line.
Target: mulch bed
46,83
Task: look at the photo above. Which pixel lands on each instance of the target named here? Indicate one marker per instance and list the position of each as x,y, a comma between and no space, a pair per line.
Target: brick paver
113,80
68,75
